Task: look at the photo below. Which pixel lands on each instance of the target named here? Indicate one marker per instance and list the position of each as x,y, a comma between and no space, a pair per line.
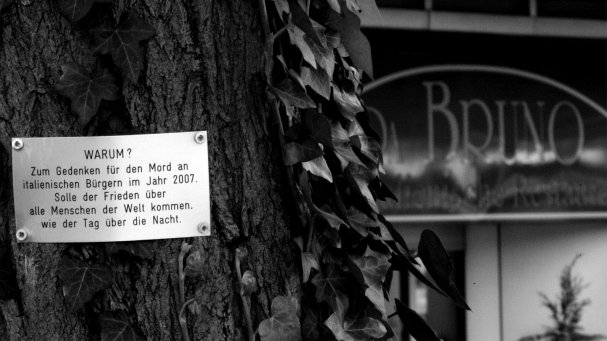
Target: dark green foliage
439,265
566,310
357,45
301,151
123,44
283,325
85,92
115,327
81,281
292,93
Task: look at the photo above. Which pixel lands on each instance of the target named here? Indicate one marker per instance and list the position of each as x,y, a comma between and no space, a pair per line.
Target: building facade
493,117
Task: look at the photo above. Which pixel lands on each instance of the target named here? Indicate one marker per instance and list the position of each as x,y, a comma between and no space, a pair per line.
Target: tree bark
202,71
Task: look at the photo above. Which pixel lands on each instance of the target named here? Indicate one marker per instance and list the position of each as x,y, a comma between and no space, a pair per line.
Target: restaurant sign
475,142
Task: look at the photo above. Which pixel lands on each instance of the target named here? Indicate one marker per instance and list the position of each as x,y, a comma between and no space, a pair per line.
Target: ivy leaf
310,324
332,289
300,19
194,264
320,32
323,56
318,126
354,129
382,191
398,238
308,261
368,9
297,132
296,36
357,45
333,38
318,167
115,327
341,146
365,328
283,325
359,178
369,148
294,152
282,6
318,80
123,44
335,322
352,5
327,214
362,329
249,283
415,324
335,5
74,10
85,92
349,104
81,281
402,263
360,221
332,238
292,94
143,250
439,265
4,4
373,267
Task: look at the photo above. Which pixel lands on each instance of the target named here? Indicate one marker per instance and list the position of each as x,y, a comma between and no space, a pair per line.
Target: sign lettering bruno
111,188
477,142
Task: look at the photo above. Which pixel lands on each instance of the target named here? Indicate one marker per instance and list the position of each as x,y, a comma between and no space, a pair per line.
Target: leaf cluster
319,59
121,42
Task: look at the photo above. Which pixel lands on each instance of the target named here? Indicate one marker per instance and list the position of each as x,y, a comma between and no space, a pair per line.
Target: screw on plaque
17,144
21,235
203,228
199,137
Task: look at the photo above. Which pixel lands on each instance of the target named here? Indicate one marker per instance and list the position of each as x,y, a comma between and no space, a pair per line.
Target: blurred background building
494,124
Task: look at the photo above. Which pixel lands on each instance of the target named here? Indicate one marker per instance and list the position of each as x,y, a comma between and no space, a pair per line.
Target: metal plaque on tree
111,188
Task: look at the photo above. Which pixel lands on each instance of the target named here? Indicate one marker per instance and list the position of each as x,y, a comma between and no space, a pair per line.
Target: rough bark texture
203,71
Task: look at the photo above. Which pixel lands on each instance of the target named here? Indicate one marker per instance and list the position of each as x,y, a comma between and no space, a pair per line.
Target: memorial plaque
111,188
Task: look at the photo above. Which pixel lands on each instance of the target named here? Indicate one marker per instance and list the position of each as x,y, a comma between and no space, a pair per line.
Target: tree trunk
202,71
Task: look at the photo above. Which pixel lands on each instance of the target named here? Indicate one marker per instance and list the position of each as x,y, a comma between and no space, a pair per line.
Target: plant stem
308,243
279,32
245,304
183,322
181,275
269,41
